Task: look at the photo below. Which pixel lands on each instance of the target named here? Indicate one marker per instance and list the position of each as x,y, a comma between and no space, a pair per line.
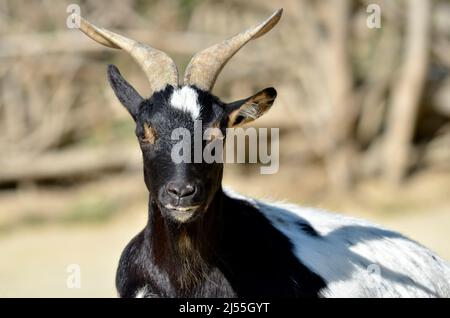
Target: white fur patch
357,258
144,292
141,293
186,99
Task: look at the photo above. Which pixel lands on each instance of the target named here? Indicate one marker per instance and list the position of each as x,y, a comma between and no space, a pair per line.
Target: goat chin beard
193,267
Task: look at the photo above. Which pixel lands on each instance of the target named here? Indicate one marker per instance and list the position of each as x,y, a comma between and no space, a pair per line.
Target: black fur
307,228
124,91
227,248
246,256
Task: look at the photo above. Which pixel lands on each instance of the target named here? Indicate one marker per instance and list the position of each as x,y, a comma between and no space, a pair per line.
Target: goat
202,240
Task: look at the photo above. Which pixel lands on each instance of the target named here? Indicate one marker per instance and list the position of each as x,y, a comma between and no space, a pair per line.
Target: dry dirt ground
42,232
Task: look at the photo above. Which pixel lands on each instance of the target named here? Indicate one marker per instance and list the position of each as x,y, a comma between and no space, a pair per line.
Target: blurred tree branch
407,91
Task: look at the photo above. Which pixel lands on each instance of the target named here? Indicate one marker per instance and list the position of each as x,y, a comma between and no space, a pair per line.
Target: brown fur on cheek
149,134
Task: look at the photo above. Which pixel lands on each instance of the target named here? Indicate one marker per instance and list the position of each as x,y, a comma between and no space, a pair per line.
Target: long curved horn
206,65
158,66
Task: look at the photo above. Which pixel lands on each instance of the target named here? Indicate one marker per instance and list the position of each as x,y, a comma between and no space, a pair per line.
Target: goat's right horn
158,66
206,65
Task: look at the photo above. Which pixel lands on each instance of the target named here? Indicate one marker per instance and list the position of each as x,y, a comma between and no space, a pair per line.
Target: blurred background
364,118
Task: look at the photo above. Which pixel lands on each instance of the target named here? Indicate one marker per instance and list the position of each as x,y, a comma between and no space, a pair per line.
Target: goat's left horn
206,65
158,66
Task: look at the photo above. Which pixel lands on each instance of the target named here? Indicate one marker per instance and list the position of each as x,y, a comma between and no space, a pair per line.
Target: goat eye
149,135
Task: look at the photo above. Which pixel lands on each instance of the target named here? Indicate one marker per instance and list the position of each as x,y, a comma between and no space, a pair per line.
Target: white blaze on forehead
186,99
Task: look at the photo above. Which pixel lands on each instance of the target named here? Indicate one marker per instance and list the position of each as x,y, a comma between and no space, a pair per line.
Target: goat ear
249,109
126,94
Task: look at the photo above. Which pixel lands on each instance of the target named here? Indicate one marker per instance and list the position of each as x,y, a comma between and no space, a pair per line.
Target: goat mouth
182,208
182,214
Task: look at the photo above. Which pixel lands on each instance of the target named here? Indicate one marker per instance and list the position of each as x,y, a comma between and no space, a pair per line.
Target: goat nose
180,190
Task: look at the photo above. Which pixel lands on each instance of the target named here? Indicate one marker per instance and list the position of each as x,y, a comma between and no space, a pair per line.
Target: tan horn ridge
157,65
206,65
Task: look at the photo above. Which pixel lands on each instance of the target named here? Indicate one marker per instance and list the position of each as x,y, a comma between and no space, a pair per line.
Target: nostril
188,190
180,190
172,190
